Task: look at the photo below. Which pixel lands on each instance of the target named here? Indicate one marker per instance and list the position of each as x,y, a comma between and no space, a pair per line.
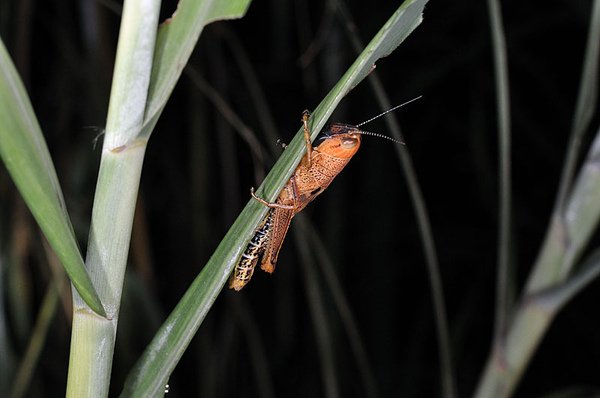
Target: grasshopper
317,169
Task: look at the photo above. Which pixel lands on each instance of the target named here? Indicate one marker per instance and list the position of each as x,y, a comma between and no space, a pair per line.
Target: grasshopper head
340,141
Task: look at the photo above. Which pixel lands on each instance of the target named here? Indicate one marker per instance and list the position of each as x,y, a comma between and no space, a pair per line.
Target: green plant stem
535,314
38,338
510,356
504,167
93,337
585,108
544,276
569,232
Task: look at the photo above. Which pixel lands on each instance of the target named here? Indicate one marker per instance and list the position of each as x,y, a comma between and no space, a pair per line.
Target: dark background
198,170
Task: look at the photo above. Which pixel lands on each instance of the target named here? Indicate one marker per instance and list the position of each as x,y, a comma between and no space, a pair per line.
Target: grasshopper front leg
308,157
309,148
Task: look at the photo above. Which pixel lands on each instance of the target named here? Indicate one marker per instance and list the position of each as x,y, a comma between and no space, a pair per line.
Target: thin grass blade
25,154
175,42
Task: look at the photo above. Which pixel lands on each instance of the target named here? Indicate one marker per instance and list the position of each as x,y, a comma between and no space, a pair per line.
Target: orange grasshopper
317,169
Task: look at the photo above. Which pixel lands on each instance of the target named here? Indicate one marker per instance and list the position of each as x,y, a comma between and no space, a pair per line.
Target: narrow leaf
176,39
25,154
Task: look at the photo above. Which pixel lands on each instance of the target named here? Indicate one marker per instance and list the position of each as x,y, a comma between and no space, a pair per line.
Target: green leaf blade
25,154
175,42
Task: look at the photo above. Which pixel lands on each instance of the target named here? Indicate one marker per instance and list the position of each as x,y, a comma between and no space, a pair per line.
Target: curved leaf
175,42
25,154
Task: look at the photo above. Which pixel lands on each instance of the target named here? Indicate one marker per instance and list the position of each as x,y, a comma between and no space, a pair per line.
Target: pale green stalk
93,337
573,222
504,168
533,317
550,263
146,70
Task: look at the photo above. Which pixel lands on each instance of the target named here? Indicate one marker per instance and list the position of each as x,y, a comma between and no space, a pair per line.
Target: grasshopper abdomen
255,250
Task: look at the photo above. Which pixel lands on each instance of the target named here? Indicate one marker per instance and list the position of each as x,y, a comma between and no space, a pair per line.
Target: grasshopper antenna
362,132
388,111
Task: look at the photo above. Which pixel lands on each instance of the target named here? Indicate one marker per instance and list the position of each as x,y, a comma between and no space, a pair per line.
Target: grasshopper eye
349,142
